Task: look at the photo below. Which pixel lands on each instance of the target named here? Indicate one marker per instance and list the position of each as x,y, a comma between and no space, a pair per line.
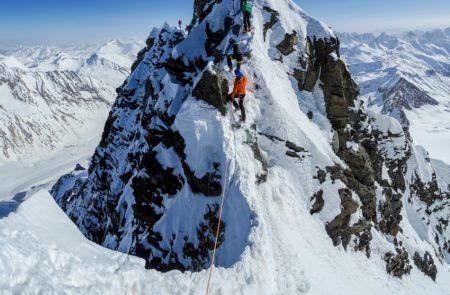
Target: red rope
218,229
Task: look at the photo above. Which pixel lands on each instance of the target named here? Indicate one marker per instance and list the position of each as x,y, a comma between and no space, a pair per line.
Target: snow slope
165,154
42,252
417,66
22,176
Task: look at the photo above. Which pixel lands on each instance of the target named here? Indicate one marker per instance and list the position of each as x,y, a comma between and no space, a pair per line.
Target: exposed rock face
391,211
202,8
215,38
294,147
273,17
427,192
287,46
337,229
318,204
205,234
140,56
363,173
426,264
398,264
339,89
180,70
361,165
252,141
321,176
78,167
364,150
142,170
405,95
213,88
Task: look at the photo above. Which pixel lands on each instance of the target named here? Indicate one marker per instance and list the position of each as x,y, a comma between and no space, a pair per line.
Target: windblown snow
275,239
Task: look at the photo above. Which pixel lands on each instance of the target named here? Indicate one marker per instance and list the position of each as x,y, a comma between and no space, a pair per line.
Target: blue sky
379,15
56,21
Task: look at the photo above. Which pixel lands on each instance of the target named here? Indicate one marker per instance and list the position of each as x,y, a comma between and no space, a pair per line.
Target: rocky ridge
145,166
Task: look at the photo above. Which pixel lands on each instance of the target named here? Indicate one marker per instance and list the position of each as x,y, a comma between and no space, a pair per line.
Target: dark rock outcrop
339,89
294,147
209,185
321,176
139,59
427,192
426,264
78,167
215,38
180,70
213,88
287,46
337,229
360,163
274,17
398,264
199,255
202,8
150,42
362,232
252,141
363,151
127,192
318,204
391,211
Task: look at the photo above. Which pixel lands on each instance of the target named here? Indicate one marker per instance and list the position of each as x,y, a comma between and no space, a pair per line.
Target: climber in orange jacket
239,91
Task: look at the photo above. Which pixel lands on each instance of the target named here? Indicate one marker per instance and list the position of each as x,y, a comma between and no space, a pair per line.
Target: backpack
248,5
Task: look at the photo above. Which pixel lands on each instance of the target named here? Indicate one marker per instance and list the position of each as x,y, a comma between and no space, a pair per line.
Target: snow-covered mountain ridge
311,168
406,76
52,97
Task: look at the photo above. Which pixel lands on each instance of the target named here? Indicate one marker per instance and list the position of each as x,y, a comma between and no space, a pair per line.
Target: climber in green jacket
246,8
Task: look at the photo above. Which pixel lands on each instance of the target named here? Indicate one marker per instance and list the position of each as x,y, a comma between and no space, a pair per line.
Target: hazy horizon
51,22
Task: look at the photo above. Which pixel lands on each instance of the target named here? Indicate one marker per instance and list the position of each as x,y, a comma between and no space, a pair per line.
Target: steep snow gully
323,197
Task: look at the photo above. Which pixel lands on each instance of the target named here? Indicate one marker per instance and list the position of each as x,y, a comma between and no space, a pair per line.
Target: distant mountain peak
50,94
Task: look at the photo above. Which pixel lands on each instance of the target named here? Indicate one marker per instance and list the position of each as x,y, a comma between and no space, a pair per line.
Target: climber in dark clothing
235,55
239,91
246,7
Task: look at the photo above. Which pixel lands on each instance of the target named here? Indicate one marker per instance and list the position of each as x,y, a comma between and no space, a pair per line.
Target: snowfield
272,243
43,252
22,176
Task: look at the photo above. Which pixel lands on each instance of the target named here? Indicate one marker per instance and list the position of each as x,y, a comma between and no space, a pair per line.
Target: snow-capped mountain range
406,76
51,97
